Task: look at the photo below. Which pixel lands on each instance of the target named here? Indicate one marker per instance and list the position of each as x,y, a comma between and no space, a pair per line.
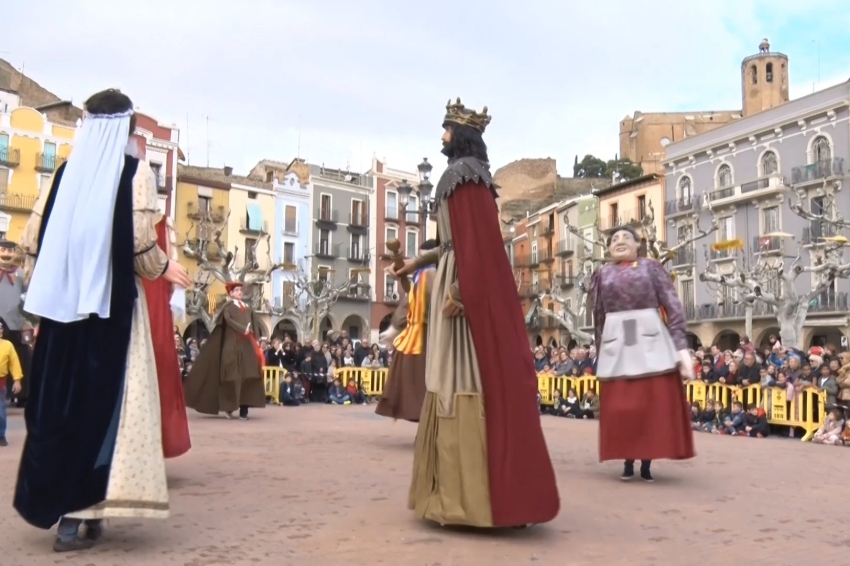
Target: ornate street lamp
404,190
425,185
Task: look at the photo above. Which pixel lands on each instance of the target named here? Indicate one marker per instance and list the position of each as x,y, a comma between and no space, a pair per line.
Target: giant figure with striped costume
404,391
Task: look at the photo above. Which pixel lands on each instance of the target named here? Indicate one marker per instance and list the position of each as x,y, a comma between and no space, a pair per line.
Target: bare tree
770,281
216,263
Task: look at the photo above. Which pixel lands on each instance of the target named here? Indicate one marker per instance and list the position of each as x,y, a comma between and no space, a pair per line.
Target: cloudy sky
338,81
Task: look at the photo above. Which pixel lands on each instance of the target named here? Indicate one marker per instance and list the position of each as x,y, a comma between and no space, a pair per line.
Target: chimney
228,171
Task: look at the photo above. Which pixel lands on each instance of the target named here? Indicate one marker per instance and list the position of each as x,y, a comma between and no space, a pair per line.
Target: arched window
769,164
821,152
724,176
685,191
755,73
769,72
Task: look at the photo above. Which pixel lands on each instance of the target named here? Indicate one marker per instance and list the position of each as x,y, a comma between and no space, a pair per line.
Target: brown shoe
72,545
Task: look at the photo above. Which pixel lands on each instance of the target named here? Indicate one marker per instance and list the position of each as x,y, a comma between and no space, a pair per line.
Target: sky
337,82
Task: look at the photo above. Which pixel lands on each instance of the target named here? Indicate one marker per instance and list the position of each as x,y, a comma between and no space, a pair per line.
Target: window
615,214
754,73
392,206
533,231
355,247
204,206
392,234
769,72
49,155
325,207
157,172
288,253
688,296
358,218
269,176
641,207
411,244
389,288
250,252
412,216
252,195
770,220
685,190
290,219
769,164
324,242
323,273
43,183
820,150
289,298
724,176
534,252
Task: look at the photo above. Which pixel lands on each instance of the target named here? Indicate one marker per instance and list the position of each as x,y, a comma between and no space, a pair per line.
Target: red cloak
175,423
522,481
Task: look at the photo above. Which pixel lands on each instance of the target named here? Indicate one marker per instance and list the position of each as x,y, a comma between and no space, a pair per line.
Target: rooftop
219,175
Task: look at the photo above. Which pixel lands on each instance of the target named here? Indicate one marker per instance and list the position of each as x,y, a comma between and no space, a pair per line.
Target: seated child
756,422
734,422
337,394
720,415
287,392
830,432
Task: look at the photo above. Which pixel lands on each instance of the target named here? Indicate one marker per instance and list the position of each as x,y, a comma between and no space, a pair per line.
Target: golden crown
457,113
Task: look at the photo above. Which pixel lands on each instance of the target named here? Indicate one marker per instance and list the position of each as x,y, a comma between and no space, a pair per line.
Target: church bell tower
764,80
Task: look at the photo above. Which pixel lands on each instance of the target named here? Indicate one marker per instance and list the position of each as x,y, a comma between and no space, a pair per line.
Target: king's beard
447,150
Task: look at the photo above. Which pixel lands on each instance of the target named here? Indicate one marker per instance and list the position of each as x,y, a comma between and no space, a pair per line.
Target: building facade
161,144
632,203
293,219
31,149
745,175
340,250
391,222
764,85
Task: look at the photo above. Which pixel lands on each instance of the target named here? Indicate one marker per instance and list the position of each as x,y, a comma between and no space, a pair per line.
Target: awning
255,217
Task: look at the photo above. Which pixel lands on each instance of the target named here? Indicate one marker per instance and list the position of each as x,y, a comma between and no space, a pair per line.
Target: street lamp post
424,189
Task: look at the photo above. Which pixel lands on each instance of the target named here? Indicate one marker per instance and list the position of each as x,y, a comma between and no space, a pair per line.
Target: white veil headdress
72,278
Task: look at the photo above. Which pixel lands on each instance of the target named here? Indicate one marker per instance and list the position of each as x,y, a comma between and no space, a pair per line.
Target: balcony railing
10,157
391,213
356,253
327,215
818,170
565,281
215,214
623,218
246,228
534,259
359,292
358,219
529,290
522,260
325,250
17,201
544,255
726,310
412,217
47,163
548,229
685,256
766,244
756,185
721,193
829,302
767,183
682,205
566,248
721,254
817,231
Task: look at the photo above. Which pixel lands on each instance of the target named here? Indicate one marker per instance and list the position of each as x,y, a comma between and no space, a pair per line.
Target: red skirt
175,423
645,419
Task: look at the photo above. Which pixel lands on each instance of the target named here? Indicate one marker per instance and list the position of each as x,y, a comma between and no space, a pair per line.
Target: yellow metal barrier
271,379
546,385
372,381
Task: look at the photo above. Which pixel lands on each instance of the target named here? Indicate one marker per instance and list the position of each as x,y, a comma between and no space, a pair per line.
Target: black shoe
628,471
72,545
3,441
94,530
644,473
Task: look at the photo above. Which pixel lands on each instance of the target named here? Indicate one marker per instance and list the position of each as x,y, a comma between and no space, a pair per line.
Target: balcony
212,250
47,163
327,217
246,228
358,222
10,157
565,281
391,214
325,250
17,202
521,261
682,205
413,217
750,189
685,256
164,184
815,233
529,290
534,259
728,310
357,254
767,244
715,255
830,302
545,256
623,218
215,214
817,171
360,292
566,248
548,230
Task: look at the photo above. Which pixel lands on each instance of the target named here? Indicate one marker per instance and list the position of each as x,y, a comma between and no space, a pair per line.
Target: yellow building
31,148
232,203
628,204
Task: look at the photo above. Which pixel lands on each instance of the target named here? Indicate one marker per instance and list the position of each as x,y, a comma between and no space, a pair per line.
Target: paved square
321,485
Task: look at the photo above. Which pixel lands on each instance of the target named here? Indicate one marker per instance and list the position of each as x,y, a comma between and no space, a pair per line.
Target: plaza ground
320,485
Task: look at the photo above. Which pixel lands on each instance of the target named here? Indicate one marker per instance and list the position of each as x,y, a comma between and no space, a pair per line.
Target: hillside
529,184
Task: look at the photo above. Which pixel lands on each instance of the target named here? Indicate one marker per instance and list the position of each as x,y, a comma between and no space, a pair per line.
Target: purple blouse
643,284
